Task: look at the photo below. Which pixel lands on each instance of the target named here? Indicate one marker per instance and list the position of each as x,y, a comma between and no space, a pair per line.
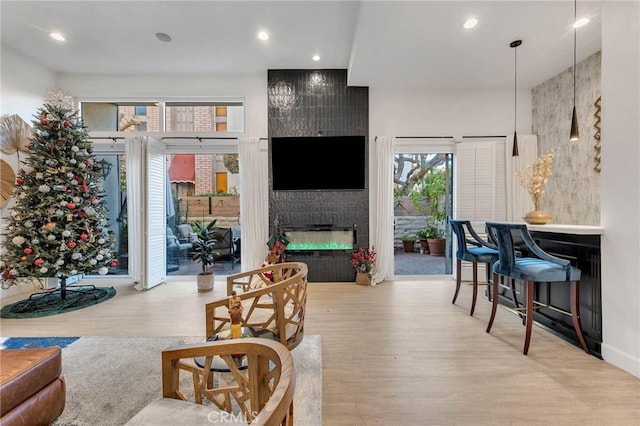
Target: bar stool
473,249
532,270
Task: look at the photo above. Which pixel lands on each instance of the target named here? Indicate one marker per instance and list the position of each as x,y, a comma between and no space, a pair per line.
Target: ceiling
397,44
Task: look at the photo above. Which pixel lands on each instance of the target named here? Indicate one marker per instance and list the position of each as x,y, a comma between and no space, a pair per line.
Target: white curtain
519,202
254,175
381,206
133,151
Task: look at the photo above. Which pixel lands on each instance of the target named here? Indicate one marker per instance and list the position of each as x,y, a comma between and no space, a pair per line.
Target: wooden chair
471,248
543,268
274,303
260,394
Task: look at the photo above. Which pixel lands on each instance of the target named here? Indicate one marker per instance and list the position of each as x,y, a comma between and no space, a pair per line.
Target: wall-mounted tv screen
318,163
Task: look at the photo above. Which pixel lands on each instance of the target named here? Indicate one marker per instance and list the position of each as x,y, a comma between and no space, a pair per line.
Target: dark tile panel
304,103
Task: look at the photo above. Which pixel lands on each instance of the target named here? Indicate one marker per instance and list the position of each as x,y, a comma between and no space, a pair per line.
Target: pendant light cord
515,88
575,16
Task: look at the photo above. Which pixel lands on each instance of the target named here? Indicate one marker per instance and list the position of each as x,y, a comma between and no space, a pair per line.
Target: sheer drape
253,160
381,206
134,160
519,201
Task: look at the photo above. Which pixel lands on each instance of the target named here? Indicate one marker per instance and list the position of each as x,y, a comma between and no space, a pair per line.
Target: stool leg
575,313
529,313
494,301
458,278
475,288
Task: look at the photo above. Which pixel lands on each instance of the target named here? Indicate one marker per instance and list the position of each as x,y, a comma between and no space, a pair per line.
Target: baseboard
620,359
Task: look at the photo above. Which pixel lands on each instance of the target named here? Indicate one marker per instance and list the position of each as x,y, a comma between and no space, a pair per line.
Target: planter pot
363,278
408,246
537,217
436,246
425,245
205,281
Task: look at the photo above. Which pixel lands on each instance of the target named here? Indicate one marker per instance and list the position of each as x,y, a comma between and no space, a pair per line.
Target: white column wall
620,184
23,85
447,112
253,88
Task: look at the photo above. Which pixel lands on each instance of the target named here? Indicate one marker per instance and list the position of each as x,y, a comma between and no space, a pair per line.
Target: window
204,117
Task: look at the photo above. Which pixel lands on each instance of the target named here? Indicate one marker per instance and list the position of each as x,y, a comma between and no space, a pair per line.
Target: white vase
205,281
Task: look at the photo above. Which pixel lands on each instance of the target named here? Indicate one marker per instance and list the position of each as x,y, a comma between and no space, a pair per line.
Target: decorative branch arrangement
536,177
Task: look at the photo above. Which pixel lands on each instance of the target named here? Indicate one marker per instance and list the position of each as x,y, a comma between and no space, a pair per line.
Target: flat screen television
312,163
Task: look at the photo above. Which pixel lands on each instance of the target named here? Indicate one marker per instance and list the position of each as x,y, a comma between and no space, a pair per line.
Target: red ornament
83,236
84,188
67,124
71,206
38,262
28,250
90,150
71,244
114,263
20,180
44,121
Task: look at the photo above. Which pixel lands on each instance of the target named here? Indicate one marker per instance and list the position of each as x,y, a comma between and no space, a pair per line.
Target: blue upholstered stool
531,270
471,248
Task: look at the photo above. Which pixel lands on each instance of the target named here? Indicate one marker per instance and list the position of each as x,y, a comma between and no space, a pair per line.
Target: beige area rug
110,379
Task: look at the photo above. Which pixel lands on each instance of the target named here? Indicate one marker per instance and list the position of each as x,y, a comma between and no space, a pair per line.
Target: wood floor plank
397,354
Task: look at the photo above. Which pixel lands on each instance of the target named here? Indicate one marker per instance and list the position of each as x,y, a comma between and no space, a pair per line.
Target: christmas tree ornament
50,226
103,271
59,262
44,270
69,217
44,188
71,205
83,236
19,180
39,175
23,258
38,262
71,244
18,240
28,250
51,237
76,200
66,233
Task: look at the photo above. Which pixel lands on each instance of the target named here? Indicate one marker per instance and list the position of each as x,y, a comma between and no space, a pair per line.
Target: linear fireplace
313,238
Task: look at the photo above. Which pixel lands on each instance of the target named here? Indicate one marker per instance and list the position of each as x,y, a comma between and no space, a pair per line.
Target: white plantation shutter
479,176
155,215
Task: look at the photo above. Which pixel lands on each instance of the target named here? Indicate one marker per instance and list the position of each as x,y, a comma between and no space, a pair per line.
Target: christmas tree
57,227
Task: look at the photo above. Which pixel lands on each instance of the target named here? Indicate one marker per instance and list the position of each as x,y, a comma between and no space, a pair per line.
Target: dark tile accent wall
307,103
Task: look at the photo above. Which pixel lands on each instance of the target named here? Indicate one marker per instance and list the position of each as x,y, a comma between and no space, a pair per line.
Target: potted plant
408,243
422,235
363,260
203,252
435,240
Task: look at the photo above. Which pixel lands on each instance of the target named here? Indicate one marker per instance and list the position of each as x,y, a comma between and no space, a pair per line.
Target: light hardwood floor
397,354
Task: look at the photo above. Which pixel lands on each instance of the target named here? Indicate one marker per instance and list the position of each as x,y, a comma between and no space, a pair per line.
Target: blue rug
37,342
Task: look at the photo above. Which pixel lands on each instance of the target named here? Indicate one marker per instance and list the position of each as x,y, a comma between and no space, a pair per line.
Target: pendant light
574,135
514,45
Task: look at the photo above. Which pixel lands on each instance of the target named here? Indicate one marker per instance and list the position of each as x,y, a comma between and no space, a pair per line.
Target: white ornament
63,203
73,271
93,262
44,188
66,233
75,148
43,270
35,241
75,256
28,224
18,240
82,166
70,175
103,271
101,241
23,195
51,237
76,199
99,257
59,212
13,272
73,161
59,262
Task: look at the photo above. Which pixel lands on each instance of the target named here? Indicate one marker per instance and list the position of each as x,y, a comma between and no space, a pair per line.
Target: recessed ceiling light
470,23
163,37
262,35
581,22
316,58
57,36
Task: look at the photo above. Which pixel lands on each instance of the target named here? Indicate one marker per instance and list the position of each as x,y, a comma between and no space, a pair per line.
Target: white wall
23,85
252,88
447,113
620,184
